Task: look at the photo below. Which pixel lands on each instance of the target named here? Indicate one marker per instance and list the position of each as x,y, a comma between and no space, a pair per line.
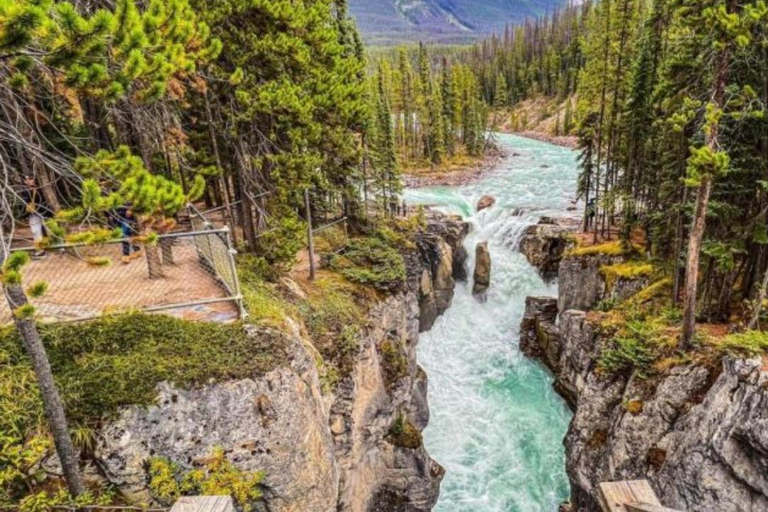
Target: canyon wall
357,448
698,434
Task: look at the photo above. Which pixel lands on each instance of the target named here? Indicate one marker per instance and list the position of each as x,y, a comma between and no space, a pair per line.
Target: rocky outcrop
277,424
539,333
320,452
482,275
581,284
441,262
544,245
698,434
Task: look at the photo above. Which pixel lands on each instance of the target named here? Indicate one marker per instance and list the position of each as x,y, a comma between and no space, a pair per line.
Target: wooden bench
204,504
629,496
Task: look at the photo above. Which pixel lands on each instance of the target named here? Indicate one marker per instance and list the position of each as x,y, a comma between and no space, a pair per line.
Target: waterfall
496,423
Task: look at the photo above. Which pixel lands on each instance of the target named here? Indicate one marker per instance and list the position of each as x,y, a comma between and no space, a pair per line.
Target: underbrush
643,335
404,434
377,260
371,262
334,314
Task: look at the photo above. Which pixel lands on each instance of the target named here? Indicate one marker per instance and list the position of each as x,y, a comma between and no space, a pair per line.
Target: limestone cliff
699,434
342,451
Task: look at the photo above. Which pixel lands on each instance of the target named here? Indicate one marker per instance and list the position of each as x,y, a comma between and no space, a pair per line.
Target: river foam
496,423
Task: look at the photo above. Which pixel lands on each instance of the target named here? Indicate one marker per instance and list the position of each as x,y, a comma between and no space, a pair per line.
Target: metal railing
191,275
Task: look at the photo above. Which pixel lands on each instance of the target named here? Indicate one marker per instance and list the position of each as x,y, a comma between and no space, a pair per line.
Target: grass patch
103,365
615,248
263,302
628,271
746,344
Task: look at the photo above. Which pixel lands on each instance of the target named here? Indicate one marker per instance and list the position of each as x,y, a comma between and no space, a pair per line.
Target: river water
496,423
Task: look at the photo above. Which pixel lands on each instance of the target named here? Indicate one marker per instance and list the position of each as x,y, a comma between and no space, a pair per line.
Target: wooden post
311,236
204,504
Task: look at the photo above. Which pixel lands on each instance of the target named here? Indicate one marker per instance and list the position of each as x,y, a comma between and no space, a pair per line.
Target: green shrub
404,434
216,476
371,262
280,245
626,354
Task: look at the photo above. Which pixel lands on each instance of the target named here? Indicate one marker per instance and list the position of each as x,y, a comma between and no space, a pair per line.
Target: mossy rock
103,365
394,362
626,271
404,434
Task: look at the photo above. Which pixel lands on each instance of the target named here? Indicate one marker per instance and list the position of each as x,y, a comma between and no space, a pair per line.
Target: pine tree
390,183
725,27
500,95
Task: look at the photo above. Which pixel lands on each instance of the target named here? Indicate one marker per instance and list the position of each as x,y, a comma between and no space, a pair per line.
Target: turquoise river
496,423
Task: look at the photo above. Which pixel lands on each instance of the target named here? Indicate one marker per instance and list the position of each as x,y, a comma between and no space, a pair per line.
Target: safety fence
191,275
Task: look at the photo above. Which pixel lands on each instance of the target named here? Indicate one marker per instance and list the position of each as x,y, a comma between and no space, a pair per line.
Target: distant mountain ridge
447,21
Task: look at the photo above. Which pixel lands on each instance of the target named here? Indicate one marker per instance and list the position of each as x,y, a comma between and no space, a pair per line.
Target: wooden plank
204,504
615,495
643,492
629,496
646,507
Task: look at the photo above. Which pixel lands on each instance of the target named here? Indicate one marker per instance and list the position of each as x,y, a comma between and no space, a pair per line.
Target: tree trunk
224,189
603,93
700,214
692,265
52,404
154,264
677,250
753,324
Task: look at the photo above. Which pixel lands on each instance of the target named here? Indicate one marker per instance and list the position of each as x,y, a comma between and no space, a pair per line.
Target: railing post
311,236
232,252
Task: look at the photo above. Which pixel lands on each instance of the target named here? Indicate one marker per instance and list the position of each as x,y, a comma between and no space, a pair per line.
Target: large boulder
485,203
482,276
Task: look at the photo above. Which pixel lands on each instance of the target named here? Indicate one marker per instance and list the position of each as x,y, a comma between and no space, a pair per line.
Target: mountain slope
392,21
